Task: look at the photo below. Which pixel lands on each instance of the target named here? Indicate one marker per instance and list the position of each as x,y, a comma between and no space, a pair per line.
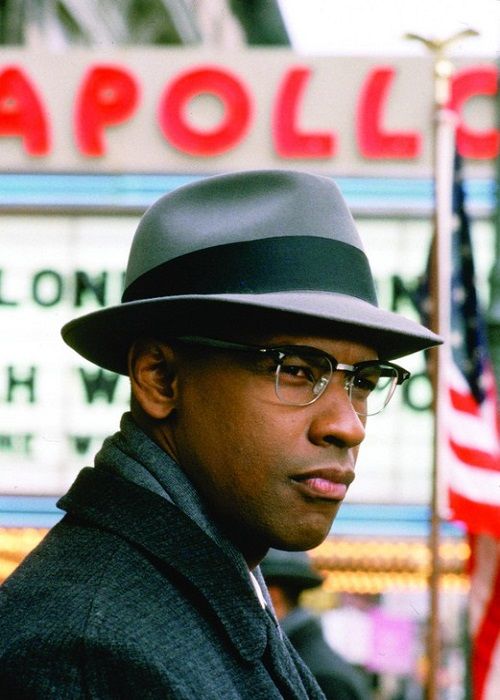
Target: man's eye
364,383
298,369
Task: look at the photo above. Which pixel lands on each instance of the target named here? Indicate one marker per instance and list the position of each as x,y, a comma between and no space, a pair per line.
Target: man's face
274,475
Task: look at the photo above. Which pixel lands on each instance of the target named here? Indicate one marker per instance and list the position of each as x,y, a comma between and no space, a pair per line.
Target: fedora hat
241,246
290,567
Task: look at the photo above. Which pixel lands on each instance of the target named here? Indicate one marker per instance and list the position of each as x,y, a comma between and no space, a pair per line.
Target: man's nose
333,418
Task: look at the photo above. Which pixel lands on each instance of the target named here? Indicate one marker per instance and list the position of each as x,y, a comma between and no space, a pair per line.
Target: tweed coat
127,597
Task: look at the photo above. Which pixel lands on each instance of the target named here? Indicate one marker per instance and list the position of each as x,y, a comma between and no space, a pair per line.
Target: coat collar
152,523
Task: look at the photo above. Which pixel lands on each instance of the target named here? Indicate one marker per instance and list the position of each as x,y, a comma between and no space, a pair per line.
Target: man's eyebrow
300,348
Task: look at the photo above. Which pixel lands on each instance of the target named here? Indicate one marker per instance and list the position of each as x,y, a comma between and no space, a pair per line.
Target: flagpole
444,128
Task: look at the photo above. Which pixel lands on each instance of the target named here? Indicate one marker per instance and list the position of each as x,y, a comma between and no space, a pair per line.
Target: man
288,575
250,331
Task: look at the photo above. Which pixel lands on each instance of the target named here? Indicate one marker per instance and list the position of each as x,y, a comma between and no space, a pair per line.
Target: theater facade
88,139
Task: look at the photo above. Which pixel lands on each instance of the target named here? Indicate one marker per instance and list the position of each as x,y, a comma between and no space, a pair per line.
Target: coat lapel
152,523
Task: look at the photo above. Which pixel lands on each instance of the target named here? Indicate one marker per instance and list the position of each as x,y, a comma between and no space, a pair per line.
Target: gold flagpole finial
443,67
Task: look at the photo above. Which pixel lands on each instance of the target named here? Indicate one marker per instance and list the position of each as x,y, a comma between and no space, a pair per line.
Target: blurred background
107,104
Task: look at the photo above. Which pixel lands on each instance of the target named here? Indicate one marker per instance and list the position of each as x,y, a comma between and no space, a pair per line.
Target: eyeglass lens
300,380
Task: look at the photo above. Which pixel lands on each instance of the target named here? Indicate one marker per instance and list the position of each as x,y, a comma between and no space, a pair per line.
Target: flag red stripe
486,639
479,517
464,402
475,458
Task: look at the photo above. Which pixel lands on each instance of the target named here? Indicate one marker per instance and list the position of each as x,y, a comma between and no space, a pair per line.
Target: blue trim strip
388,520
354,519
29,511
92,191
136,192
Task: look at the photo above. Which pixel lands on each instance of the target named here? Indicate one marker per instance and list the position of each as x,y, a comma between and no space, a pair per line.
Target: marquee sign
177,110
56,408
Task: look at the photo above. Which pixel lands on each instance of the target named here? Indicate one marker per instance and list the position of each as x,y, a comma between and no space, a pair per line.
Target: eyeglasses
302,373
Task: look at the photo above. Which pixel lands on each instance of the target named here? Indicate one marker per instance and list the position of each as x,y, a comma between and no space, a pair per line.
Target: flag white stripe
469,430
481,485
473,431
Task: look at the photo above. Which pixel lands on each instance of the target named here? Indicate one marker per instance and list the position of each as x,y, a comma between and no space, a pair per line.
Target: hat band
278,264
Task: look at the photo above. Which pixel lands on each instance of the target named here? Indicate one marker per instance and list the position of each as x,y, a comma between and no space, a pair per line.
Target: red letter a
22,113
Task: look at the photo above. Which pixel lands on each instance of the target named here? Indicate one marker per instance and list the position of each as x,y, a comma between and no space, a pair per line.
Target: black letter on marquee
27,443
418,384
99,384
6,443
27,382
401,292
5,302
81,443
96,285
54,280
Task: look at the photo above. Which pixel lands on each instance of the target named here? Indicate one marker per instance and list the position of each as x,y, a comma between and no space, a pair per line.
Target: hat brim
105,336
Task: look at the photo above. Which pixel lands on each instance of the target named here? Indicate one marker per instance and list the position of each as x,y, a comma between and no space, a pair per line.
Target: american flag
471,444
469,455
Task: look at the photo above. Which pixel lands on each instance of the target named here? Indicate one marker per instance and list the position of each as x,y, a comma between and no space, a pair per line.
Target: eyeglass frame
281,351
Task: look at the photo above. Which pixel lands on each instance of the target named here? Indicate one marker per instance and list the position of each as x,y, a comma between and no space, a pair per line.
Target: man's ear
153,377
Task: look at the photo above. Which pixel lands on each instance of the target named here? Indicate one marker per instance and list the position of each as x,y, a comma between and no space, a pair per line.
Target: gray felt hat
290,567
240,245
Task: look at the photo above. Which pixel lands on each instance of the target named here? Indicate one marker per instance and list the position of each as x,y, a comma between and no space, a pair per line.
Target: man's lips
328,484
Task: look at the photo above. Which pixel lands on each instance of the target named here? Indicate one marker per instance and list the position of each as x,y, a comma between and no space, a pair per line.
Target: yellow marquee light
15,544
365,566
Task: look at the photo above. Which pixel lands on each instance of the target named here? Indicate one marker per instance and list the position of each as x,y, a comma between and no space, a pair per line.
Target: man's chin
300,540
